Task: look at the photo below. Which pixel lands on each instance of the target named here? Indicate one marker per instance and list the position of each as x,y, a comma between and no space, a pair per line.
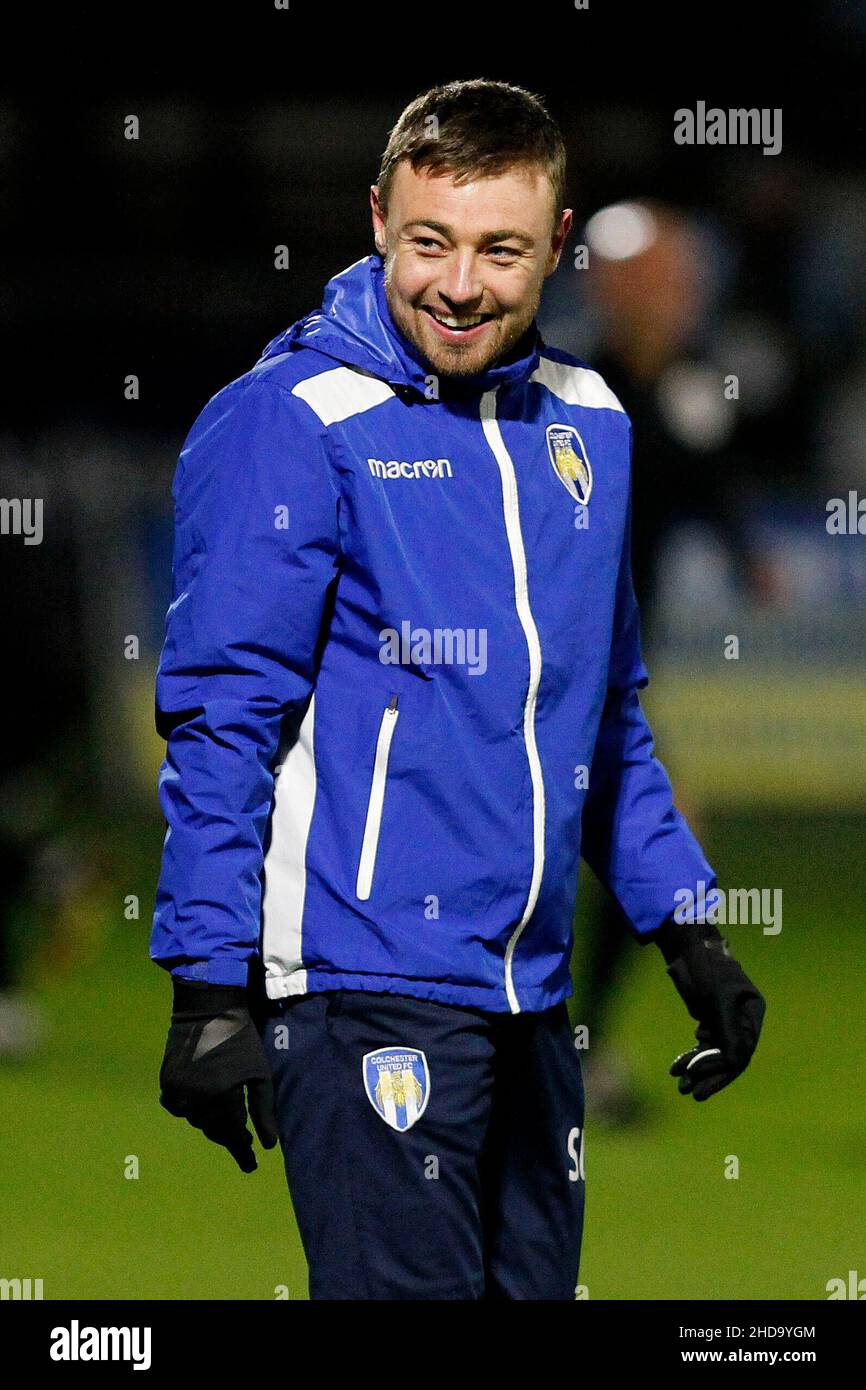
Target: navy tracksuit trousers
431,1151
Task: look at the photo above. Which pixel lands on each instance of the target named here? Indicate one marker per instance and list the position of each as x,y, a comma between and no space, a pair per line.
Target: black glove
214,1050
717,993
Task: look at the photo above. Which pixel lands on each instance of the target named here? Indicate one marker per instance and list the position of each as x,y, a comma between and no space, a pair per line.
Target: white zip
493,435
374,804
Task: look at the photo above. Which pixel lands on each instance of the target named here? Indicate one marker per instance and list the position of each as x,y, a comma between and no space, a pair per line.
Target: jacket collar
354,326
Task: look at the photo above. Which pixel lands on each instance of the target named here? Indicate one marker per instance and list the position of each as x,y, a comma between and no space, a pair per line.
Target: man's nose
461,286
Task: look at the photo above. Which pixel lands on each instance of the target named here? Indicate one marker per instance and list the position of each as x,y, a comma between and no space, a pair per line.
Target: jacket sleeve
256,549
633,837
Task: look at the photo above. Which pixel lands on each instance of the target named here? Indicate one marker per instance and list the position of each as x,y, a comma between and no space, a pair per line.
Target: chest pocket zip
376,800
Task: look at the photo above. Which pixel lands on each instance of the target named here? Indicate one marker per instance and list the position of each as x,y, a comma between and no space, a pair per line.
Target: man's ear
559,238
378,220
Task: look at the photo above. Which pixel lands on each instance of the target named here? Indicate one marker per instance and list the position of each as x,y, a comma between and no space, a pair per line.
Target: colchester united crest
397,1082
570,461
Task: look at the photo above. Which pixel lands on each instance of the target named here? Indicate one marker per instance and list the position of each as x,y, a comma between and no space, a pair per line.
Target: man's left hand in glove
719,995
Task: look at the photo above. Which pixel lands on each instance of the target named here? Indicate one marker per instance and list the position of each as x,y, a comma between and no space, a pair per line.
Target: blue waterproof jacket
399,684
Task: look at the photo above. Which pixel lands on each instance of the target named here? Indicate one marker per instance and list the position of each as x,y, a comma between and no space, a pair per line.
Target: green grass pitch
662,1221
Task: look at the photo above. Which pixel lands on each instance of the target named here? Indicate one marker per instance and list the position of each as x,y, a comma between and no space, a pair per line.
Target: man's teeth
469,321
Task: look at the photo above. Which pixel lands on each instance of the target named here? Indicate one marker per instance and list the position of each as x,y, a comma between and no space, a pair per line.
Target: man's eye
426,241
505,250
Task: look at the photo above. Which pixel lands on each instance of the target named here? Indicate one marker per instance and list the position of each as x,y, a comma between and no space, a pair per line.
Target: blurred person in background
20,1021
57,890
25,572
652,283
41,628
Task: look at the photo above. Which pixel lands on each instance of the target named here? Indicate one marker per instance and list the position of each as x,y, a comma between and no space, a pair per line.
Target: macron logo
76,1343
421,468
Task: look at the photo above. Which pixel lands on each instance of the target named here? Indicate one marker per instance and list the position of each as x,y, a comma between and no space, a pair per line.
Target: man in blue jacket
399,689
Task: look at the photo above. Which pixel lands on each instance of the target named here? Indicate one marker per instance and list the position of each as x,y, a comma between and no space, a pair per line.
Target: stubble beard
446,360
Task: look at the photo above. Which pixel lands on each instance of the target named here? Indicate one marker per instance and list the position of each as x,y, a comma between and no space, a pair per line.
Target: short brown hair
478,128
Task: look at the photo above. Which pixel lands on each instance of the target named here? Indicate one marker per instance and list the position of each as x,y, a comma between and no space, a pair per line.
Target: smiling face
465,263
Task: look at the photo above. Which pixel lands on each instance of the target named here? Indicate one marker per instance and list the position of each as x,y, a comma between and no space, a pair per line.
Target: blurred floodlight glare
694,407
621,231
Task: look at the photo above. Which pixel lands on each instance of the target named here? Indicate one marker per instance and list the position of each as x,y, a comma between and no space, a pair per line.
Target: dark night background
155,258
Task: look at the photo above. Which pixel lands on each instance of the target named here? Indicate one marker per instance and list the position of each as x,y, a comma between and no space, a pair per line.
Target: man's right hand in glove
213,1051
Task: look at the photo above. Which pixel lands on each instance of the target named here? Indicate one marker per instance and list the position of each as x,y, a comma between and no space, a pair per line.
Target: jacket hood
354,327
